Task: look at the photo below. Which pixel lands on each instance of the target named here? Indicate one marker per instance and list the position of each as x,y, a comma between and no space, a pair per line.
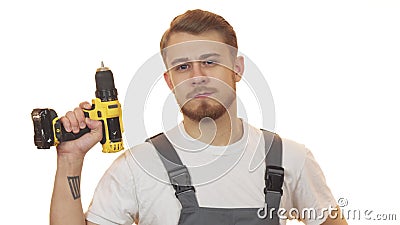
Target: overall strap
177,172
274,176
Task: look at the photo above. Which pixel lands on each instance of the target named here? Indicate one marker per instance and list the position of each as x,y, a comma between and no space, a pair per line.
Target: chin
203,110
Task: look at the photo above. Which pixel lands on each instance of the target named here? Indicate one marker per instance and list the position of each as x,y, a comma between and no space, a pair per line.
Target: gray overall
193,214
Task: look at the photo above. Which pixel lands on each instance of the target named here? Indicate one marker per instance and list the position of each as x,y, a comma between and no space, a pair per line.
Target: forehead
184,47
180,37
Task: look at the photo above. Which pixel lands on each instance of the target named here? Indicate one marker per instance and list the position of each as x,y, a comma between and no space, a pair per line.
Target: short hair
199,21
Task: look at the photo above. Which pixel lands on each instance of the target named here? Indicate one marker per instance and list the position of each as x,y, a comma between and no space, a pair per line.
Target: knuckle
84,105
69,114
64,120
71,117
78,110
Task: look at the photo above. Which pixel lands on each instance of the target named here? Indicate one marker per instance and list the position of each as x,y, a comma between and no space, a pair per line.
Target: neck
223,131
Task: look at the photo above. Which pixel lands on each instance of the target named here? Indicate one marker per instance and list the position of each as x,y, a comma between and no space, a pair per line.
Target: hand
74,121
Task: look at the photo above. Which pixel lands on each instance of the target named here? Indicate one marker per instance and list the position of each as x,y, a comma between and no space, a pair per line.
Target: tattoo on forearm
74,185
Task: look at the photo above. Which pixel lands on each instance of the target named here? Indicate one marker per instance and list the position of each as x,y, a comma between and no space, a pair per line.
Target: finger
74,122
80,116
85,105
65,122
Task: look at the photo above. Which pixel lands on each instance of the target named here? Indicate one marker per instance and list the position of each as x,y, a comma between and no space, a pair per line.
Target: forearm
66,205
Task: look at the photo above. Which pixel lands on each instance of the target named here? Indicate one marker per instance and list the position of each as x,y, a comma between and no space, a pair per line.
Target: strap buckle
182,189
180,180
274,177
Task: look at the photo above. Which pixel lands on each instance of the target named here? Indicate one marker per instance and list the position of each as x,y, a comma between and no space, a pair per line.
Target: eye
182,67
208,62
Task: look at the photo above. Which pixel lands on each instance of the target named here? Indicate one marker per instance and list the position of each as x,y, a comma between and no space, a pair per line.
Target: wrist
70,163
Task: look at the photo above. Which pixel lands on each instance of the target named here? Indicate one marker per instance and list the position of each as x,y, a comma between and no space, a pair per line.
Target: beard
205,108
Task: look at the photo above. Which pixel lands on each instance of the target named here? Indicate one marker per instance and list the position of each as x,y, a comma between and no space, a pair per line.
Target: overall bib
193,214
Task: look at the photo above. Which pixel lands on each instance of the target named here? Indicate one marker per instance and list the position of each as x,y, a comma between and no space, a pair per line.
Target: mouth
201,92
203,95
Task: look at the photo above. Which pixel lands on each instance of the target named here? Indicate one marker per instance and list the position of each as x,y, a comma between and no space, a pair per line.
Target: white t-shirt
137,185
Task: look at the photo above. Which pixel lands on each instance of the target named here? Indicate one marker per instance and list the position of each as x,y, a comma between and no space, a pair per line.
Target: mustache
200,90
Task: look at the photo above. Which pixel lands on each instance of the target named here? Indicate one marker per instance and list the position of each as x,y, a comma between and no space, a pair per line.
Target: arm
66,205
312,192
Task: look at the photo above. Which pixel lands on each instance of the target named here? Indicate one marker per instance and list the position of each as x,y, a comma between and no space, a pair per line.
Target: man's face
202,72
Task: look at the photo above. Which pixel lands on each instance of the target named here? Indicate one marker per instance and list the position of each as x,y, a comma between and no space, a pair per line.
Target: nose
198,75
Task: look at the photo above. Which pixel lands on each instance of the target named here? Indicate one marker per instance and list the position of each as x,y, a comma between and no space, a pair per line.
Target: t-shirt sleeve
312,196
114,200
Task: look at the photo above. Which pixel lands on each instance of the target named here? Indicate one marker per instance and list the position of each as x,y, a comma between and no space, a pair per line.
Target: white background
332,68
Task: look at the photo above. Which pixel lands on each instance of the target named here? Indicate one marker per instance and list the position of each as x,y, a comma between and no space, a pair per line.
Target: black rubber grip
69,136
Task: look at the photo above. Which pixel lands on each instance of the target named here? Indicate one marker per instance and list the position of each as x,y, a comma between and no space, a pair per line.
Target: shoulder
141,150
294,158
294,154
144,163
132,164
298,159
128,157
304,178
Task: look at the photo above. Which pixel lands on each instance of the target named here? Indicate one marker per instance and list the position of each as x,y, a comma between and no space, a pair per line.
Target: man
200,53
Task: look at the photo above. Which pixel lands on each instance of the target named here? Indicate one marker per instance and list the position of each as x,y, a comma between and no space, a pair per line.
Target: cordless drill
106,108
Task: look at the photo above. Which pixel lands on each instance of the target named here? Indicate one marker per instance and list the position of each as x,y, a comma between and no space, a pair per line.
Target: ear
168,80
239,68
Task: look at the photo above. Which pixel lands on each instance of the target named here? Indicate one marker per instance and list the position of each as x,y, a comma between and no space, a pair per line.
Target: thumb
95,127
93,124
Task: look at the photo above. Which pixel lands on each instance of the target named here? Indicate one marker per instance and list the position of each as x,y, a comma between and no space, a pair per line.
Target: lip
203,95
201,92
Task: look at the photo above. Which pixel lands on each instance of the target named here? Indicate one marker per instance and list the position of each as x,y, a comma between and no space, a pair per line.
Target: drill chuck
105,88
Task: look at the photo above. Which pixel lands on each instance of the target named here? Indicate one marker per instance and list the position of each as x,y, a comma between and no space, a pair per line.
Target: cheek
228,80
181,84
178,80
181,89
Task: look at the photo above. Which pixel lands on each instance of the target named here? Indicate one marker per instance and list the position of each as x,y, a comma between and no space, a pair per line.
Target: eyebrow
179,60
205,56
186,59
